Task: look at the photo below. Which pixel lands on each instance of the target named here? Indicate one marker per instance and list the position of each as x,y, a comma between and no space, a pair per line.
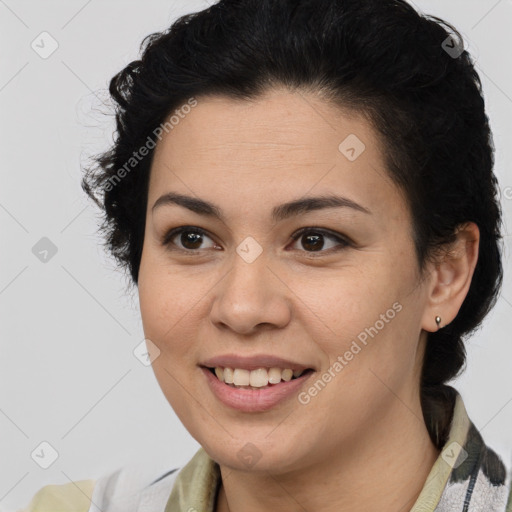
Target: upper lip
252,362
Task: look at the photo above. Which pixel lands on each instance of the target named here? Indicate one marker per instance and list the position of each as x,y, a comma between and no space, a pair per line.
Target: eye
312,239
191,238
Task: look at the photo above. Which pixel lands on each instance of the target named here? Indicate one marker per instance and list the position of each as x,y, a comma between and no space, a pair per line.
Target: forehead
279,145
293,125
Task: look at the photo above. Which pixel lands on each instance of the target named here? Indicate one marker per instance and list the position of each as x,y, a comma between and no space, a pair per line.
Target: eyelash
309,230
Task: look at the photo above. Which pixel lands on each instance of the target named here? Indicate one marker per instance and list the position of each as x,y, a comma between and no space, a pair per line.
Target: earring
438,321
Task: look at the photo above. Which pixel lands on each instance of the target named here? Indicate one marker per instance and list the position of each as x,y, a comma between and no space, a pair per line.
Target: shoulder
75,496
480,478
133,489
127,489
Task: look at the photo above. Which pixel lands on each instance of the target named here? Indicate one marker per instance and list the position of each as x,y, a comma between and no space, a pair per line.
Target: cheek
168,312
174,306
161,305
348,299
366,314
163,297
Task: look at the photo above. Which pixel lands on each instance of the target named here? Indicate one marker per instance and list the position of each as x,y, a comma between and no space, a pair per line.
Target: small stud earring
438,321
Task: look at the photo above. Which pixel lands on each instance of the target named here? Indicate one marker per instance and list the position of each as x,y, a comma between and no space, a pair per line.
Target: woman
303,193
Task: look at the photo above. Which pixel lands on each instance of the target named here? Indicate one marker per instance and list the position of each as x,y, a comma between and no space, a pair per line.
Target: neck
384,469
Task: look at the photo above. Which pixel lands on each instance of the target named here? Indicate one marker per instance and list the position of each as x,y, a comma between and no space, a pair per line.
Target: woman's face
342,301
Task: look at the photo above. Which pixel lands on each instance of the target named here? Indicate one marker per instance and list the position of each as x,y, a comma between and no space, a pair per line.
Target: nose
251,297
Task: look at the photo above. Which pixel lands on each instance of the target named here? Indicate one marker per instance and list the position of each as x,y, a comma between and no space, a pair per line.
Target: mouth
255,390
258,378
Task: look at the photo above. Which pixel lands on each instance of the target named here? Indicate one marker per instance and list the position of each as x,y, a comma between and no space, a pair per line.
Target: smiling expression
289,250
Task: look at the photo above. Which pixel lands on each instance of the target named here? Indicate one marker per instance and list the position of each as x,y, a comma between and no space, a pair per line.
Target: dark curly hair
407,73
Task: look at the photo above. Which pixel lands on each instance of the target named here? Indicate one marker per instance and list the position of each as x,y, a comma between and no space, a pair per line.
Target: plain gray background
68,329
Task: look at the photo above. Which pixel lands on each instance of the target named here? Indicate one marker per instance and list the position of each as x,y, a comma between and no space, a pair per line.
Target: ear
450,277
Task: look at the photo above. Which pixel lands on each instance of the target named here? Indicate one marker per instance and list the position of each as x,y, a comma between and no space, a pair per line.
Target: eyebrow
279,213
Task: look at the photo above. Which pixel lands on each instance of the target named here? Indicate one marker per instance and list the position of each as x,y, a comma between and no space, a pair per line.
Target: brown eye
313,240
185,238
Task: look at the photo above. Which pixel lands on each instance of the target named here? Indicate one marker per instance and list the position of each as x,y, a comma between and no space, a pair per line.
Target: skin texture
366,425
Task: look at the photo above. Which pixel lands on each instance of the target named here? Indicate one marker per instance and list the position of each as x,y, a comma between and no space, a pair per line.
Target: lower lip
254,400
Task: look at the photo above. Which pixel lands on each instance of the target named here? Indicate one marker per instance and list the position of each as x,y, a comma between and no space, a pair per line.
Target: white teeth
241,377
220,374
258,378
228,375
274,375
287,375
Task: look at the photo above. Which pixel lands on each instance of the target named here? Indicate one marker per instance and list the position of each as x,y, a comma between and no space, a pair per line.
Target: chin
257,452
